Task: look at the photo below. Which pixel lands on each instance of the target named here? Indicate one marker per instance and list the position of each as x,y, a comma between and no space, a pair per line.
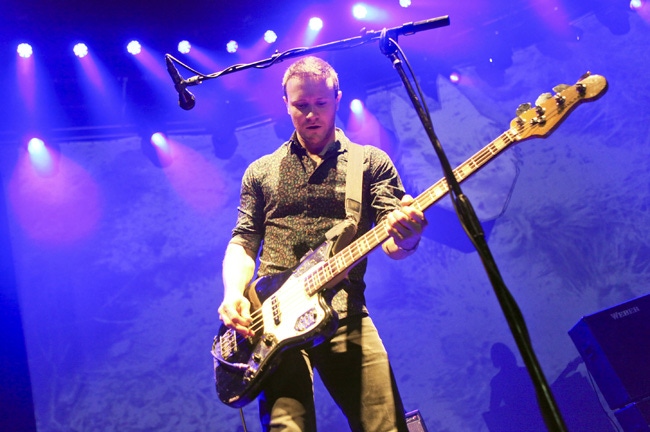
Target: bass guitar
291,309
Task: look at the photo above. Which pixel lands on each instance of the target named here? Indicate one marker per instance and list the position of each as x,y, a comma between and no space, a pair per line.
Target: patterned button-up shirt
288,202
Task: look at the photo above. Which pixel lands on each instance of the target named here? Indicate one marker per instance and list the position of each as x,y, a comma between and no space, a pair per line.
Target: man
289,200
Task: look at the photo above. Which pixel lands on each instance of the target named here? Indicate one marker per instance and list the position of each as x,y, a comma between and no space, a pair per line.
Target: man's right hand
235,314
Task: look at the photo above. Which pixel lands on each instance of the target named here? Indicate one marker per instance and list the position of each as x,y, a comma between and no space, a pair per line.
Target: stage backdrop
118,260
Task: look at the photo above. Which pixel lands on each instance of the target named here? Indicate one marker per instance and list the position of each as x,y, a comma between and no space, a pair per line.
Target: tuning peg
585,75
543,98
523,108
560,88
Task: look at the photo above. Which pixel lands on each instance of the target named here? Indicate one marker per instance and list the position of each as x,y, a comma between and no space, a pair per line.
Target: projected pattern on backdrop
119,321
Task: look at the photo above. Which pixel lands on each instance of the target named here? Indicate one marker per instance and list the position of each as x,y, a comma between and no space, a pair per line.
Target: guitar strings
326,272
291,299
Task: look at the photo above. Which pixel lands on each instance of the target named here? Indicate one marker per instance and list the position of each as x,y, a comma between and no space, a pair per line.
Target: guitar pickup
306,320
275,309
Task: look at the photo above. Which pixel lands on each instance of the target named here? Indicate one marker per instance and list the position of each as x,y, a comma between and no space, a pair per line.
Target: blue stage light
270,36
25,50
80,50
184,47
134,47
232,47
315,24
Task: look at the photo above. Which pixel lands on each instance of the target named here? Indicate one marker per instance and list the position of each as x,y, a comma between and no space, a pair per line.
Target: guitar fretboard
538,120
320,275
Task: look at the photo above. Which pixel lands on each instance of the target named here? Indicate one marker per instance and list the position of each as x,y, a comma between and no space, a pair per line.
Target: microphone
185,98
430,24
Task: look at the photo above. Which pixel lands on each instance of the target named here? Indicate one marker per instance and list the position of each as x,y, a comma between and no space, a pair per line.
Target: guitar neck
368,242
430,196
531,121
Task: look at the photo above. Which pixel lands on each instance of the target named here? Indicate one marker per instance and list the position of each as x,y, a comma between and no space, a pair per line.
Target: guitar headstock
550,110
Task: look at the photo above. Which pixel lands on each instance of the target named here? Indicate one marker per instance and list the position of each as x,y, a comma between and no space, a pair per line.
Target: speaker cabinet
615,346
414,422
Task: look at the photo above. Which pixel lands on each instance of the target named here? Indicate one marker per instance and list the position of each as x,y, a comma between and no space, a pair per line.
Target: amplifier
414,422
615,346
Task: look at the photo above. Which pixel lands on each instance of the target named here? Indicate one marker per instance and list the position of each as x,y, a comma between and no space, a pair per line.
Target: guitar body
284,315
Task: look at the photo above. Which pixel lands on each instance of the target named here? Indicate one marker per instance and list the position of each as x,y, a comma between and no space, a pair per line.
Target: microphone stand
466,214
367,36
471,225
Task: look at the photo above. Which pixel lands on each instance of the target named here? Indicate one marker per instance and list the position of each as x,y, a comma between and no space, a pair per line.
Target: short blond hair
314,68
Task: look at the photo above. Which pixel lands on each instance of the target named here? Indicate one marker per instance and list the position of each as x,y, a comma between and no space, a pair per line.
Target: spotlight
184,47
270,36
157,148
360,11
454,77
80,50
356,106
232,47
315,24
405,3
636,4
35,146
159,140
42,158
25,50
134,47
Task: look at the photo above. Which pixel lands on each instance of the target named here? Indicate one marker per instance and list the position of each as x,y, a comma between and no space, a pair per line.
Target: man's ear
286,102
338,99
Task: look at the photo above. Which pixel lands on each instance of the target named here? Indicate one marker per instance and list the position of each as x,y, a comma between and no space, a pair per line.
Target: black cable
243,420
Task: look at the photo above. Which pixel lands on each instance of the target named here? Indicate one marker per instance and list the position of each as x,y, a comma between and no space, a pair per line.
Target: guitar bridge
228,344
217,352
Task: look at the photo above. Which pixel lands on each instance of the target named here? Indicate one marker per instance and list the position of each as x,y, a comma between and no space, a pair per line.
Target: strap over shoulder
345,231
354,182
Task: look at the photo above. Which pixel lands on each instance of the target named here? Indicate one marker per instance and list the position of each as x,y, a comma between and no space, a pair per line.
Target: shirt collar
341,144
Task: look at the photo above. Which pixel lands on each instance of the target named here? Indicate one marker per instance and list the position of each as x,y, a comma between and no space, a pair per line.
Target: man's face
312,105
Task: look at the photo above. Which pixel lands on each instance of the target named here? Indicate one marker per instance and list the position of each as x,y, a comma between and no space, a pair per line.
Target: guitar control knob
248,375
543,98
541,120
257,358
523,108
